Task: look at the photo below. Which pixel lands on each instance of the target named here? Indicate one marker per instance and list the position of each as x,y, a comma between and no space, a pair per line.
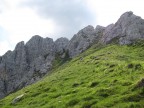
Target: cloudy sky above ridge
21,19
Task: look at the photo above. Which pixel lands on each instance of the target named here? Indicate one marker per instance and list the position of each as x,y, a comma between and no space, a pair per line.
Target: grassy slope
98,78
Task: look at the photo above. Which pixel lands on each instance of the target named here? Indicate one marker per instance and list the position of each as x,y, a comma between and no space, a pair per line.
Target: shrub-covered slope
110,76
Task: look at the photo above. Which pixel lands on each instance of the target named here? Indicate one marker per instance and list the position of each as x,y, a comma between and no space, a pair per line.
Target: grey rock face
40,54
12,66
80,41
98,32
127,29
61,44
26,64
61,47
84,39
38,46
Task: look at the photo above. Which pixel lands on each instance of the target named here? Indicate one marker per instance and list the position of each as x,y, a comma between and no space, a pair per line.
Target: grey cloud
69,15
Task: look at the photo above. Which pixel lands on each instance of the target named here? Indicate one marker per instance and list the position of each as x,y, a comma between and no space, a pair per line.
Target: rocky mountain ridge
31,61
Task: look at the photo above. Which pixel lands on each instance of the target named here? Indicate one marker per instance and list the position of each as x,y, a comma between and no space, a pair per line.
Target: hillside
98,68
29,62
102,76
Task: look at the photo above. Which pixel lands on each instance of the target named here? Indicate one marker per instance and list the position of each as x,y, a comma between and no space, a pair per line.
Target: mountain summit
127,29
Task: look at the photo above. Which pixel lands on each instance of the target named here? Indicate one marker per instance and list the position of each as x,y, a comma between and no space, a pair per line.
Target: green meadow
104,76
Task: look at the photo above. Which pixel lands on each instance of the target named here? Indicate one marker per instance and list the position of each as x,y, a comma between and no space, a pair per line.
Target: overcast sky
21,19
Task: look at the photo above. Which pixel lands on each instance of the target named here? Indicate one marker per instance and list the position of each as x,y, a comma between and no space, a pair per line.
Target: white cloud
108,11
24,22
20,24
69,15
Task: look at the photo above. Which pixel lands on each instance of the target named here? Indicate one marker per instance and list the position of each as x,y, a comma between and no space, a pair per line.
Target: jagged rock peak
87,30
127,18
81,41
38,46
62,39
99,27
99,30
61,44
128,14
127,29
7,53
19,45
36,37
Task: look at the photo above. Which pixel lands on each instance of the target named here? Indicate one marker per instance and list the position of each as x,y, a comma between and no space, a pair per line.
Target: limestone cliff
31,61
